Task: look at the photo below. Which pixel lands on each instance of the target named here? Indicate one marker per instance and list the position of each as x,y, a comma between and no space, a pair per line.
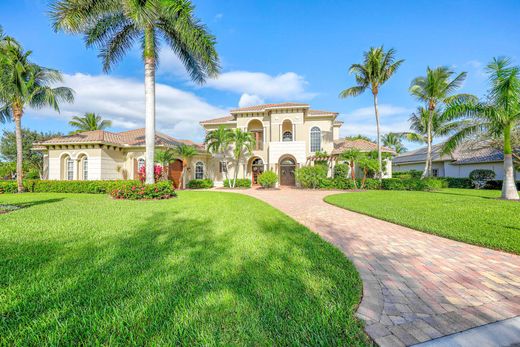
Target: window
315,139
199,170
287,136
70,169
140,164
222,167
85,168
435,172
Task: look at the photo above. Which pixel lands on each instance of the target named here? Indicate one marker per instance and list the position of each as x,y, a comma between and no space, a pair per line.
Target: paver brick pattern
416,286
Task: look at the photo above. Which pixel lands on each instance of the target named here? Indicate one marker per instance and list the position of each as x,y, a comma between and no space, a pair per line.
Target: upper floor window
70,169
315,139
199,170
287,136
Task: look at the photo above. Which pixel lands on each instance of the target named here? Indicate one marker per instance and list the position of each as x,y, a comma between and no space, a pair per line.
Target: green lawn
472,216
205,268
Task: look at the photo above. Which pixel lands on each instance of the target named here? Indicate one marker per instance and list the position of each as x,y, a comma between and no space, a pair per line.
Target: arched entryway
175,172
257,167
287,171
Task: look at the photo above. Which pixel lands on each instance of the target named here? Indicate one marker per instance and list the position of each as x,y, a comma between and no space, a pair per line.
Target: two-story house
288,135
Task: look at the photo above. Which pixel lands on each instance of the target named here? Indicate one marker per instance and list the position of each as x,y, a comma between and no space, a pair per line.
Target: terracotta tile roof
320,112
264,107
125,139
219,120
360,144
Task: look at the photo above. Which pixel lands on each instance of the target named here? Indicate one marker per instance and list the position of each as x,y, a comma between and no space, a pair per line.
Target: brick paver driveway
416,286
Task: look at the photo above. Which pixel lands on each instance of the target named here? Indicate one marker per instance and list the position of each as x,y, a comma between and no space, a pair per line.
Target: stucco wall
56,162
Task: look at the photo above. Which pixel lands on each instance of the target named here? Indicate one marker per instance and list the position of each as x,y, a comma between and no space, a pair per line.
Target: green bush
313,177
497,185
341,170
428,184
267,179
479,177
8,187
200,184
371,184
156,191
240,183
407,174
48,186
456,182
342,182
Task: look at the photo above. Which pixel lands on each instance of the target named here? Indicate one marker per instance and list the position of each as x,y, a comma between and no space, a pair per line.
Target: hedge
413,184
157,191
45,186
200,184
240,183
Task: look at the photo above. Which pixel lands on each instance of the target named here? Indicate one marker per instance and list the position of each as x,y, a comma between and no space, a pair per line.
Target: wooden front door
287,168
257,167
175,173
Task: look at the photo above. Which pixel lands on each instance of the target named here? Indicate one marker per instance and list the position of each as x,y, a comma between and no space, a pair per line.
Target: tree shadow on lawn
27,204
465,195
180,281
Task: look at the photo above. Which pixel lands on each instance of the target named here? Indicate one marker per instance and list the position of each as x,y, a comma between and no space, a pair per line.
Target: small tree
243,144
367,164
480,177
186,153
165,157
218,142
351,156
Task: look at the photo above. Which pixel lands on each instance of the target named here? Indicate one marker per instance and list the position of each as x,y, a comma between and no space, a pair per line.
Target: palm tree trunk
379,161
353,173
149,92
427,167
17,113
509,191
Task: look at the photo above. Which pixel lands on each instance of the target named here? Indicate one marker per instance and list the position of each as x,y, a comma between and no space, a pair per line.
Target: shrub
342,182
157,172
407,174
371,184
497,185
341,170
456,182
268,179
159,190
413,184
240,183
312,177
479,177
8,187
45,186
200,184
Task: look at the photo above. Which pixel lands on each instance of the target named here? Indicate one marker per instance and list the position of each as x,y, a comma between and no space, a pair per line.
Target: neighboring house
287,137
467,157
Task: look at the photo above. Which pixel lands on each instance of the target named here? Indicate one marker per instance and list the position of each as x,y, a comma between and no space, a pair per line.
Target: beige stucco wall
56,161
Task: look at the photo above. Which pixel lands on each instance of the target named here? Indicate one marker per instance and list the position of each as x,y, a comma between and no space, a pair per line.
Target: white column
293,132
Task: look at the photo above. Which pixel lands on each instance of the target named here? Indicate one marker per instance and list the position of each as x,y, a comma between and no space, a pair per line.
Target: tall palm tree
393,140
377,68
218,142
499,115
88,122
24,84
352,156
243,145
436,89
114,25
186,153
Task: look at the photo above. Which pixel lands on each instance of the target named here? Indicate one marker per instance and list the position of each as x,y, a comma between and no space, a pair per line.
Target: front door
257,166
287,168
175,173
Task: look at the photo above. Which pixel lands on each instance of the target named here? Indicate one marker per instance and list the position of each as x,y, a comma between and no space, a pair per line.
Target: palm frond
352,91
117,46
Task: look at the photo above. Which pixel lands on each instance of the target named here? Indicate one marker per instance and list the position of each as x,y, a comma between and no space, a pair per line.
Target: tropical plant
377,68
358,137
393,141
367,164
88,122
497,116
351,156
186,153
24,84
218,142
114,25
164,157
268,179
243,145
436,89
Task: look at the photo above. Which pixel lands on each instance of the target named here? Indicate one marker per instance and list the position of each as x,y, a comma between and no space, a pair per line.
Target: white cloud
218,17
122,101
385,110
250,100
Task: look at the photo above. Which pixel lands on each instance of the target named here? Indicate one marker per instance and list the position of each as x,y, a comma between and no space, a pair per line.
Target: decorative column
293,132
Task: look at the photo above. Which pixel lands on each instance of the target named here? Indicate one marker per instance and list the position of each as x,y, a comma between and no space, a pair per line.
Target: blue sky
273,51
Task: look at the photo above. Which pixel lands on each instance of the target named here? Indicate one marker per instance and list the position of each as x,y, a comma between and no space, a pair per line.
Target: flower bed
156,191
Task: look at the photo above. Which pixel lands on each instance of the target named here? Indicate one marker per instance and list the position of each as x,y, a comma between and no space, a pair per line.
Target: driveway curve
416,286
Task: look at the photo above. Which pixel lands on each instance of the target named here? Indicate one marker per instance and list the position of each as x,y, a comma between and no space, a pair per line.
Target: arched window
140,164
287,136
315,139
199,170
70,169
85,168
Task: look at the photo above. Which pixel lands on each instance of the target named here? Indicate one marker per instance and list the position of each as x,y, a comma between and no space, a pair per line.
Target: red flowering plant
157,172
156,191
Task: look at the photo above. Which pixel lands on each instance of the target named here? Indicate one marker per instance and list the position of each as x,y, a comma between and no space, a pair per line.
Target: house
287,135
467,157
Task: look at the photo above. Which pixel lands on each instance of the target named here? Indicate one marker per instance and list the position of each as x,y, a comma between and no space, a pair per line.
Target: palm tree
88,122
164,158
377,68
393,140
243,145
499,115
24,84
218,142
114,25
186,153
435,89
352,156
